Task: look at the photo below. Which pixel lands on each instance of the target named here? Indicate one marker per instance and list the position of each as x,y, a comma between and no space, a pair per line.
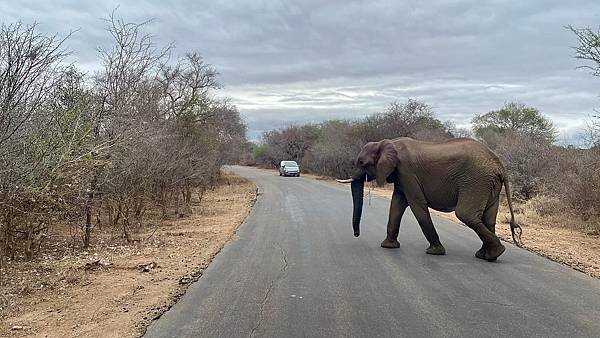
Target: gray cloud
284,62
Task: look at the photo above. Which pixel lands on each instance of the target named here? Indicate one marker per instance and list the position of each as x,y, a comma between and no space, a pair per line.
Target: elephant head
376,161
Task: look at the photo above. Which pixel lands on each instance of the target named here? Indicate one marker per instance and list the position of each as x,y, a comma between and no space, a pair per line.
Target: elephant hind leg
491,248
491,209
474,217
489,217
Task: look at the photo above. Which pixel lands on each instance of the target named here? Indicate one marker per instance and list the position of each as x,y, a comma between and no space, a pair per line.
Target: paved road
297,271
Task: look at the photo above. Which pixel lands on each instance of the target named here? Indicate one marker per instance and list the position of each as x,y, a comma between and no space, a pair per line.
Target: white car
289,168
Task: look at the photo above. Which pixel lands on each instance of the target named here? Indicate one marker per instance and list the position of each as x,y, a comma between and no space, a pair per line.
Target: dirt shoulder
117,290
555,237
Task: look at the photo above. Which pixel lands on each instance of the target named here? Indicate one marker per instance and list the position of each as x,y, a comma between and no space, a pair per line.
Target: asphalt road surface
297,271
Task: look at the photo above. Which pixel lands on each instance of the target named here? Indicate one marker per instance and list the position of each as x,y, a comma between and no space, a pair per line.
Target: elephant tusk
349,180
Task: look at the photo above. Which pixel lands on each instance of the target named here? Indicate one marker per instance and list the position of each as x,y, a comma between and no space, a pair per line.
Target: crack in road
262,309
492,302
489,302
283,274
283,257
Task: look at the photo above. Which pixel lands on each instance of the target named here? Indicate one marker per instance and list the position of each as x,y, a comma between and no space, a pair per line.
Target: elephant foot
437,249
390,244
490,254
480,253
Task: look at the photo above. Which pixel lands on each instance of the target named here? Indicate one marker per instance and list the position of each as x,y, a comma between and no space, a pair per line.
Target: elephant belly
441,199
442,207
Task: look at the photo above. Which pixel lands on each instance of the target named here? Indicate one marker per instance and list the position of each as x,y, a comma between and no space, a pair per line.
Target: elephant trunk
357,186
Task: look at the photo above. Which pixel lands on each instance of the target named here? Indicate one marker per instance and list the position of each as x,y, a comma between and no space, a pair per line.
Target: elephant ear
387,161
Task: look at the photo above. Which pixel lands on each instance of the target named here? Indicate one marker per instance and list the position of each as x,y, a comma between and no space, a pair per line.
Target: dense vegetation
85,151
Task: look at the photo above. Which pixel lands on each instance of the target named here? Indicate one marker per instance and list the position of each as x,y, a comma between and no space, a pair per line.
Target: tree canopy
516,119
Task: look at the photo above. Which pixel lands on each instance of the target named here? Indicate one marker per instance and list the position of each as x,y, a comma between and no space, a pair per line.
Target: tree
513,119
411,118
291,143
335,151
126,99
30,138
456,131
29,62
589,51
593,131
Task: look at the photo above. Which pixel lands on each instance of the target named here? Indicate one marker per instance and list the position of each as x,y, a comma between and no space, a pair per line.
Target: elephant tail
515,229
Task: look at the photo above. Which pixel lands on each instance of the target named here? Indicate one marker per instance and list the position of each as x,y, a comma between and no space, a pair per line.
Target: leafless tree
187,84
588,50
30,73
28,66
124,90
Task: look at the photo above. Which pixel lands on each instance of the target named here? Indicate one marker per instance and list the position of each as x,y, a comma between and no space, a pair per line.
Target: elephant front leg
422,215
397,208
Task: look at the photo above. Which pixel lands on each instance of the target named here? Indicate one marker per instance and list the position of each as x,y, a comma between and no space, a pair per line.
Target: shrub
528,162
578,181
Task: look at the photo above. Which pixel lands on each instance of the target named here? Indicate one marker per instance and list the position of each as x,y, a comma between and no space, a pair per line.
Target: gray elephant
460,175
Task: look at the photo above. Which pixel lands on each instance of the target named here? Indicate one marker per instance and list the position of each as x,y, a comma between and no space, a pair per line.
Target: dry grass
116,290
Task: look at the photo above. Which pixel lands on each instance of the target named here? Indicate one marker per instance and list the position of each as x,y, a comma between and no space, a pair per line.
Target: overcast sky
291,62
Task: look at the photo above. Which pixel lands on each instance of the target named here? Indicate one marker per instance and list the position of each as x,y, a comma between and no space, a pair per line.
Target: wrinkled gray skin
460,175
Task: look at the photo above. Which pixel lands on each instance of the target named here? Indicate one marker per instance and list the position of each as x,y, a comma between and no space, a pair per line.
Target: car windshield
290,163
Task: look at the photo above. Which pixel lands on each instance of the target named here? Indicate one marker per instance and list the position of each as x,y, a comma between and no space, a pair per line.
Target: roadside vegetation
114,289
90,162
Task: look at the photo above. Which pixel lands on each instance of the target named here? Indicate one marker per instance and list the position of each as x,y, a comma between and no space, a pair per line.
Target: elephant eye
360,162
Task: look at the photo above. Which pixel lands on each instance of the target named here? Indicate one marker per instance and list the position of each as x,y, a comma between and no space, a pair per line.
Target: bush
528,162
259,152
577,181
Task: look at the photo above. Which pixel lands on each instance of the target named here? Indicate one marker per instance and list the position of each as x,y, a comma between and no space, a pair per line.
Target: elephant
461,175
